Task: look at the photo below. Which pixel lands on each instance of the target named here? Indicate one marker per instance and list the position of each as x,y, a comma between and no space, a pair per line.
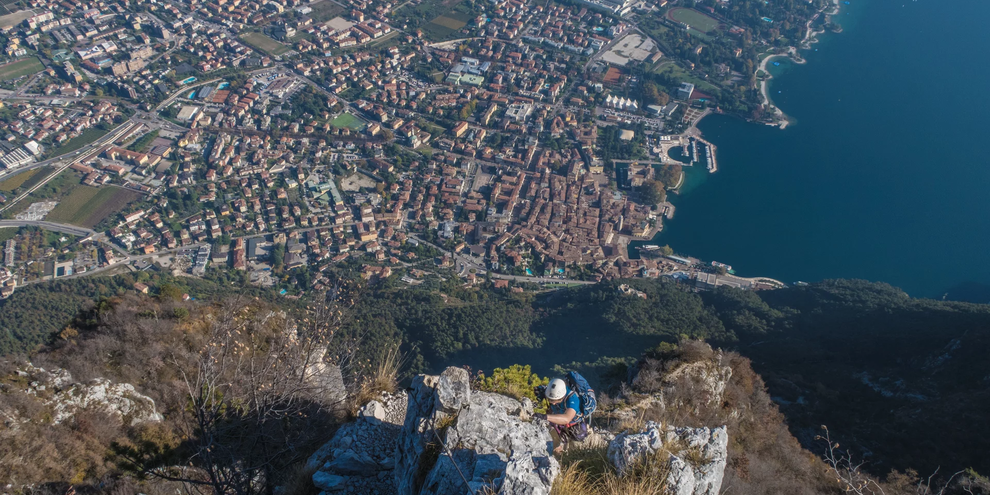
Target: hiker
566,412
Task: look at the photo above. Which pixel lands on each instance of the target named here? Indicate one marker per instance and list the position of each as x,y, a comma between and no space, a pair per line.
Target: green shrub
516,381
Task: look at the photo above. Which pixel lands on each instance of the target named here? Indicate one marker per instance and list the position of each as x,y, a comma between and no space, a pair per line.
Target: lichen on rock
697,456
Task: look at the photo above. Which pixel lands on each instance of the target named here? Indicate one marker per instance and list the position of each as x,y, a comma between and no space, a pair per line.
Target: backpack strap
578,416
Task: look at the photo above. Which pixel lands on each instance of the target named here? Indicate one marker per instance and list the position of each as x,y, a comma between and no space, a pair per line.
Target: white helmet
556,390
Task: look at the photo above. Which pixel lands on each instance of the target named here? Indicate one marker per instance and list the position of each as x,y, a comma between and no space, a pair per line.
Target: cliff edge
440,437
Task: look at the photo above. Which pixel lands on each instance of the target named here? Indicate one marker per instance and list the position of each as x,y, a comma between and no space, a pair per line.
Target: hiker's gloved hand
540,416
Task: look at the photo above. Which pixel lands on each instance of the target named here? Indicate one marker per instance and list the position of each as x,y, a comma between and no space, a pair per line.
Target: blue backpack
585,393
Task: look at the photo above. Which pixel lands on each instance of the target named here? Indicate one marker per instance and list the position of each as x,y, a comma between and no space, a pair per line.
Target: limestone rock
696,386
454,389
627,449
118,399
360,456
495,448
326,377
710,445
373,412
681,480
59,391
328,482
388,451
417,433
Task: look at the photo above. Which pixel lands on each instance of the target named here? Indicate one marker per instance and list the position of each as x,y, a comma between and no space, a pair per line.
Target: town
510,141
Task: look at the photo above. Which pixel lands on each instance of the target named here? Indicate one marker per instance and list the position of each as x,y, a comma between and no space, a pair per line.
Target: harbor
695,148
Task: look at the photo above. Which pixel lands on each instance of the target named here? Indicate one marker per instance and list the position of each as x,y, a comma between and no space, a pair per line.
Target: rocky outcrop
57,390
326,377
709,376
360,458
399,444
117,399
491,445
697,456
696,385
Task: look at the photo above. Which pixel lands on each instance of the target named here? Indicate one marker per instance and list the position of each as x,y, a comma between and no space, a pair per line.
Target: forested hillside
35,313
877,366
903,379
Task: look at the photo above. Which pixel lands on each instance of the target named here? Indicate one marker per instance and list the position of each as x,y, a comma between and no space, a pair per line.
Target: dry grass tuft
573,480
300,481
588,472
383,379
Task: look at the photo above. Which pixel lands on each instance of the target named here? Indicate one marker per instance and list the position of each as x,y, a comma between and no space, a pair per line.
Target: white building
621,103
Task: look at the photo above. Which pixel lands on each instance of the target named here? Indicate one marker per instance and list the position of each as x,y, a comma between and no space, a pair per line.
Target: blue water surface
884,174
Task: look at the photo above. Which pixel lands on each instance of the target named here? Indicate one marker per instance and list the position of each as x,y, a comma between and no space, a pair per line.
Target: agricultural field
693,18
264,43
347,120
12,183
42,173
439,19
87,206
324,10
143,142
21,68
87,136
444,26
12,19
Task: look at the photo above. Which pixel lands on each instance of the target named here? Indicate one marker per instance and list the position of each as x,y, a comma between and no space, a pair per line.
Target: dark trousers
562,434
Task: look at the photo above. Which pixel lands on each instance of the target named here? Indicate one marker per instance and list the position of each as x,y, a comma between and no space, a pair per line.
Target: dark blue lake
885,173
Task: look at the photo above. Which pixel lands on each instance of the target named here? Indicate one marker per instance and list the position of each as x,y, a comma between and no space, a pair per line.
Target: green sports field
264,43
347,120
21,68
693,18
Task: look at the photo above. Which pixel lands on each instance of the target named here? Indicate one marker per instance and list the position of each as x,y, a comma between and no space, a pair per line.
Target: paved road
56,227
122,262
95,149
185,89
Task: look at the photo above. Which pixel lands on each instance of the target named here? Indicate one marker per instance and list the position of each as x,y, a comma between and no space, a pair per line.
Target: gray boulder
453,389
702,477
491,446
495,448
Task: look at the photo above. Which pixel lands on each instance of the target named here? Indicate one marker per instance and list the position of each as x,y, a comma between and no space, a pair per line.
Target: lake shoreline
810,38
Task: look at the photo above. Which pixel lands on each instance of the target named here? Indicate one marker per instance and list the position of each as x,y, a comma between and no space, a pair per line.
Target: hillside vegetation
901,382
880,368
